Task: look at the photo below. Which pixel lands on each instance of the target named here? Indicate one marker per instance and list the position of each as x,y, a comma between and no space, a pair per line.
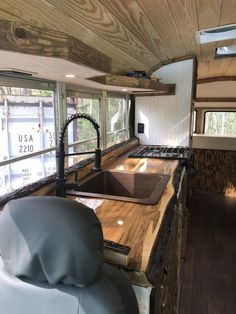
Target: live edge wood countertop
131,224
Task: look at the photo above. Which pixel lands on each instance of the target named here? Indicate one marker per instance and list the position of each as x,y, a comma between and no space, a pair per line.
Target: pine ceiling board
129,13
208,13
185,16
208,51
232,67
159,14
208,16
203,69
224,66
6,16
42,14
217,67
224,43
93,15
228,12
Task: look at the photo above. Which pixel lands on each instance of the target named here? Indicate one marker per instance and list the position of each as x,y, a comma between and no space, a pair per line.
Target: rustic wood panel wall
215,171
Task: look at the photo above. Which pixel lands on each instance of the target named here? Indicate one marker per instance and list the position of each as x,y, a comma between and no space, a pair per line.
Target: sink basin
143,188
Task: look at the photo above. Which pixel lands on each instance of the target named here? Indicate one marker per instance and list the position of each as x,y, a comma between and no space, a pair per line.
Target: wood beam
27,39
216,79
133,82
160,93
216,99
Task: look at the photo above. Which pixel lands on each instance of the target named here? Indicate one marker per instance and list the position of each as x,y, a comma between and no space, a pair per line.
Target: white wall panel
167,118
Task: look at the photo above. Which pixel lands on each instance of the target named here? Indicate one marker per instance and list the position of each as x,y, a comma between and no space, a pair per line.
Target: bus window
220,123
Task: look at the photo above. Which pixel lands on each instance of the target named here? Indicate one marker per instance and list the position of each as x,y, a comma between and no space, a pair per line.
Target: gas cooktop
165,152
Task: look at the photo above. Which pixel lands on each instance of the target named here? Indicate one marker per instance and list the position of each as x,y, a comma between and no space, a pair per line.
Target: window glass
220,123
26,126
82,130
18,174
116,119
27,121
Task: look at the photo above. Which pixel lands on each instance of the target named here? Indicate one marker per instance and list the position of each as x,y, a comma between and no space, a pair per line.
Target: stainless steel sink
143,188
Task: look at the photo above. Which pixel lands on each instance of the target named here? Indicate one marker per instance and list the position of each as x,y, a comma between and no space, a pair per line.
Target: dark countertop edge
35,186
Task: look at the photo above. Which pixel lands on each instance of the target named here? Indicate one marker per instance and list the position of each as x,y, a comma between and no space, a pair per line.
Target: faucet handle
97,160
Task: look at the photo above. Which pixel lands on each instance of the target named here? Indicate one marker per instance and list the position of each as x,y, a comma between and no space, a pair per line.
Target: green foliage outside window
84,127
7,90
82,130
116,120
220,123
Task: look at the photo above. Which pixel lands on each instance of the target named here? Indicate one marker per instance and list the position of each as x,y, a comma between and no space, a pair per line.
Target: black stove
164,152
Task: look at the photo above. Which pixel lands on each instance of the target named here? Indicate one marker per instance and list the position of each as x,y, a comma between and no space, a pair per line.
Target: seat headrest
51,239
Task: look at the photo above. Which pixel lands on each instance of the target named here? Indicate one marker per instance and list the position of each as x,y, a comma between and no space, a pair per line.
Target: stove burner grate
165,152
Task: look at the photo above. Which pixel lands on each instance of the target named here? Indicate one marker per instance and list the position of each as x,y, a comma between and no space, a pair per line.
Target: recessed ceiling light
70,75
216,34
124,89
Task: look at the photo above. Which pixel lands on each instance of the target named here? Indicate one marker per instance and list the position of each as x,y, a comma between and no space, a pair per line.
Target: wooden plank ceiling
136,34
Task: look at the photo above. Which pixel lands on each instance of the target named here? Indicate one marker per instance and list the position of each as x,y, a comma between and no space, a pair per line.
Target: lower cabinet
164,297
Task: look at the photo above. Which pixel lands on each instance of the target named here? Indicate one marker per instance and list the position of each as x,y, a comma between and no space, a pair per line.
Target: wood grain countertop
131,224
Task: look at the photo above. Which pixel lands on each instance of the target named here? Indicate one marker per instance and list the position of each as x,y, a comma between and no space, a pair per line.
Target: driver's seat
52,261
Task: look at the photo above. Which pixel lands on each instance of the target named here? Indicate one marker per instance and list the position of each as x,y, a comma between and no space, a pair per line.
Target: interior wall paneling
167,118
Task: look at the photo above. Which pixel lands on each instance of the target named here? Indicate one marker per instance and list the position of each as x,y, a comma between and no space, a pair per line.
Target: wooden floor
209,274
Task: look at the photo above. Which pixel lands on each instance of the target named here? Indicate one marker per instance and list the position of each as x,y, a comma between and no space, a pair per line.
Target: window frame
103,103
60,113
85,95
37,84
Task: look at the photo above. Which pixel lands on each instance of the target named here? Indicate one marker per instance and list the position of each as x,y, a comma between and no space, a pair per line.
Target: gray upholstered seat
52,261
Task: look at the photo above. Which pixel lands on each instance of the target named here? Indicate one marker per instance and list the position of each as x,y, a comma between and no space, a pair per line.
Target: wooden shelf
136,85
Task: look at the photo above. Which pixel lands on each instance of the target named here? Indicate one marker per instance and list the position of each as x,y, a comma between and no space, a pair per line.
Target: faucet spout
61,184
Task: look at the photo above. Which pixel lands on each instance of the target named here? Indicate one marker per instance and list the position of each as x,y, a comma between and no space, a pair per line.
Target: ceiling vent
216,34
222,52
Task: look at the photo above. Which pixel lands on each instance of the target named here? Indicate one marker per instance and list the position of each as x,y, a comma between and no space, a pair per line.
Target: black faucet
61,184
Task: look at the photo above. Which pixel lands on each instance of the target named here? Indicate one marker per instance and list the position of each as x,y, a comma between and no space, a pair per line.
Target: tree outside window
220,123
